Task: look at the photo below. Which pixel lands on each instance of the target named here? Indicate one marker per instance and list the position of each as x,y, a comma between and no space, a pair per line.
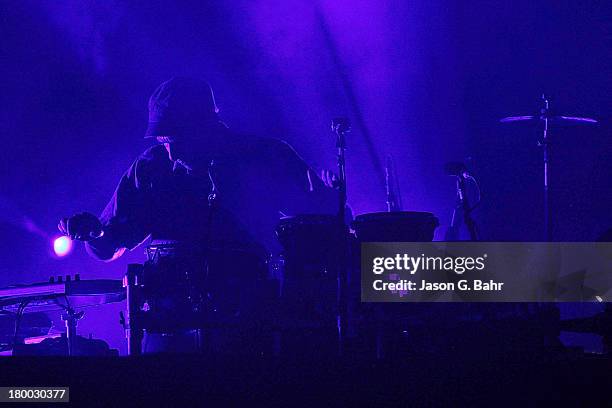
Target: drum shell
224,283
403,226
311,245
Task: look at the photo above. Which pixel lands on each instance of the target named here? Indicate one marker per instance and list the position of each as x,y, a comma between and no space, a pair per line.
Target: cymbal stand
131,323
341,126
71,317
543,143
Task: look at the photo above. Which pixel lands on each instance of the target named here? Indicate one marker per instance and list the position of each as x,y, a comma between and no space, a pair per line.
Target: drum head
311,229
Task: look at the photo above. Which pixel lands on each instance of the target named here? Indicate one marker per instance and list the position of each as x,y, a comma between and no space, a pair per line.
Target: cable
18,316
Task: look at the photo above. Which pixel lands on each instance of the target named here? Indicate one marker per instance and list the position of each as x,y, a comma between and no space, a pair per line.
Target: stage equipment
401,226
392,190
183,288
547,120
67,295
341,126
380,323
459,170
313,287
311,245
56,345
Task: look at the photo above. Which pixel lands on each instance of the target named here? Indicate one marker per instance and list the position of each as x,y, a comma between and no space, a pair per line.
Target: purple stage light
62,246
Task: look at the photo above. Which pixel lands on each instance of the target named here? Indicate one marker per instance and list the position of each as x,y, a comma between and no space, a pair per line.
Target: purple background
424,81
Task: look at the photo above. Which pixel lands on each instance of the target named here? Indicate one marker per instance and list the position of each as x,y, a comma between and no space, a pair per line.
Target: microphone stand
392,203
544,144
466,207
341,126
201,333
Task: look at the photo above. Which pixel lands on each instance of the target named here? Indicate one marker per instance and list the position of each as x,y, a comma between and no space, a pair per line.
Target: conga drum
380,327
401,226
311,244
314,247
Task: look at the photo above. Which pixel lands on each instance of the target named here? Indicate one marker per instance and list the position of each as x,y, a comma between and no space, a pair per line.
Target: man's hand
330,179
83,227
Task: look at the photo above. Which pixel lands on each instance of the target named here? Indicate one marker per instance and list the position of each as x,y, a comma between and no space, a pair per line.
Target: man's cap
181,104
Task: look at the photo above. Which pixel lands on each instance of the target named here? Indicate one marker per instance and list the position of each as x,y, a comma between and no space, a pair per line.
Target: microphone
459,170
341,125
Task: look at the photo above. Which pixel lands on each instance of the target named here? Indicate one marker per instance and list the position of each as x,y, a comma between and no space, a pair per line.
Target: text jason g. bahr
412,264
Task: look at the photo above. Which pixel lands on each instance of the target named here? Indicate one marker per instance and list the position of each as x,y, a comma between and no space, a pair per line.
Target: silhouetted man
200,166
212,198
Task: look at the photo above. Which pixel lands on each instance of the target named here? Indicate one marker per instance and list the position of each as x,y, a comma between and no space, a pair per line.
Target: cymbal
554,119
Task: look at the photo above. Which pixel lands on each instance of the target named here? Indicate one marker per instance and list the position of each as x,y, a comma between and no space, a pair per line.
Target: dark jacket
257,181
